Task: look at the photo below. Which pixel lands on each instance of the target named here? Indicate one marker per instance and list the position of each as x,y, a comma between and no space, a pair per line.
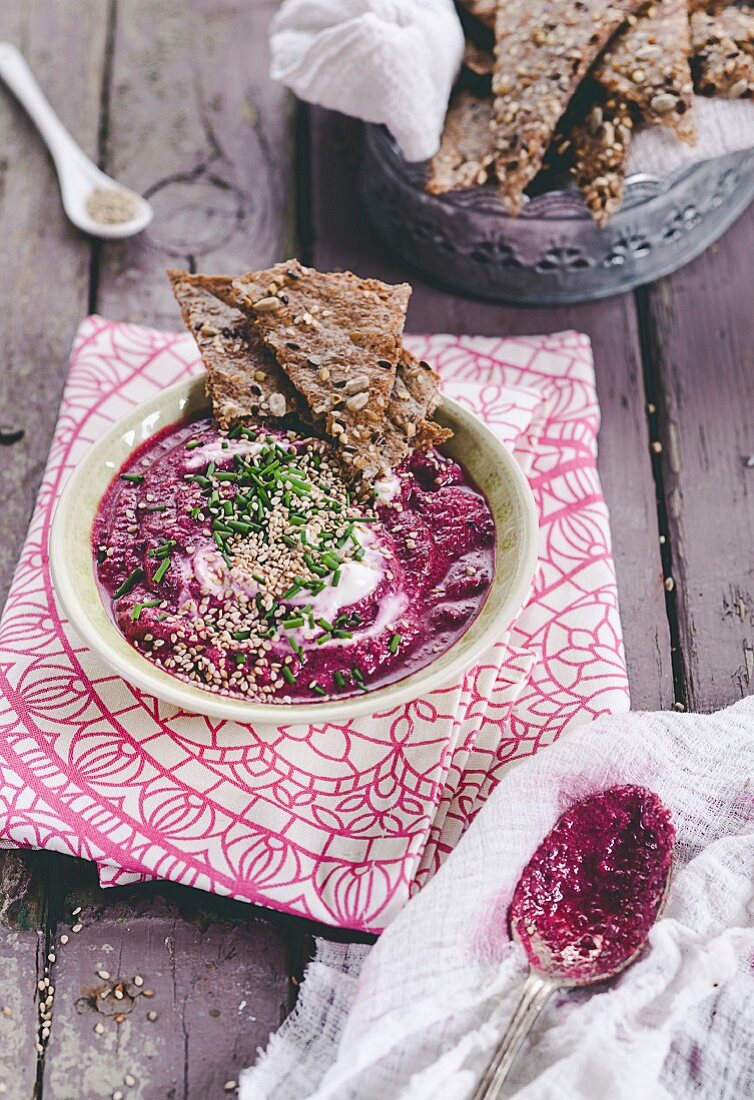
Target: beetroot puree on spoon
591,892
585,903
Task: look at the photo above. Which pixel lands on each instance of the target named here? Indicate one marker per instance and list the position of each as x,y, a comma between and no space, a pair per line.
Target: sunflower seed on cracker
720,66
600,143
466,149
648,63
543,51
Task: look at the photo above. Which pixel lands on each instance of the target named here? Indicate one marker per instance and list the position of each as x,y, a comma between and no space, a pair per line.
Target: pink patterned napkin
333,822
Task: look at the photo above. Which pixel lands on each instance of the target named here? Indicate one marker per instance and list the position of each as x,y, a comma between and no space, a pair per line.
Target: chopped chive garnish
292,591
241,635
210,469
296,520
359,554
324,637
139,607
289,674
365,519
128,583
394,642
358,675
239,658
241,526
155,508
162,617
192,443
330,559
135,479
342,634
258,578
292,624
318,689
226,475
335,581
163,549
339,678
234,432
161,570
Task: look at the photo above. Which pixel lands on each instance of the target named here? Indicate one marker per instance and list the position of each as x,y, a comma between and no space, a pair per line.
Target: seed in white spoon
110,206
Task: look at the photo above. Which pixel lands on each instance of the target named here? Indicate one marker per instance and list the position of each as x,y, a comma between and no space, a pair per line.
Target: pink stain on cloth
339,823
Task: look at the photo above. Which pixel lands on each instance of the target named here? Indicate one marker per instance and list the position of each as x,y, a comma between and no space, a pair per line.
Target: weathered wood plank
216,975
196,125
45,270
21,944
701,351
340,237
43,290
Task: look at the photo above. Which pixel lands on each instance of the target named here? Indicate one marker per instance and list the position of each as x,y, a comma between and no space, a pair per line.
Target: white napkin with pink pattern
334,822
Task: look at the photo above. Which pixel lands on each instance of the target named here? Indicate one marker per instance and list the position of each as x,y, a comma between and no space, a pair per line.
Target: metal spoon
77,174
557,973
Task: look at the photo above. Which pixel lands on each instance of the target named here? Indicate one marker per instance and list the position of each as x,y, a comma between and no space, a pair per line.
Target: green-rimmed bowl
490,464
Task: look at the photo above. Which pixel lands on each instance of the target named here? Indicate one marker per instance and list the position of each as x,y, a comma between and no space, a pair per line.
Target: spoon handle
16,74
535,993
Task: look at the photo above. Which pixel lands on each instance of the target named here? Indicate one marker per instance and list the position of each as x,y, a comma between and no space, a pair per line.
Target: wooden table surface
172,97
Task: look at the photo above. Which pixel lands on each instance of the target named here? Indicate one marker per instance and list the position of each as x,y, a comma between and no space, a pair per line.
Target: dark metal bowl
553,253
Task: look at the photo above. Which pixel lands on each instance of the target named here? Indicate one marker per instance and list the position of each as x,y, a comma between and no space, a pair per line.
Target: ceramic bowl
491,465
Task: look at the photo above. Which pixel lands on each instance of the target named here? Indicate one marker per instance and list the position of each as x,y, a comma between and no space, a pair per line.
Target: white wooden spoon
79,177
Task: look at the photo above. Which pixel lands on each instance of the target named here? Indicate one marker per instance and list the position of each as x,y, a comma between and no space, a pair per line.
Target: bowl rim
137,671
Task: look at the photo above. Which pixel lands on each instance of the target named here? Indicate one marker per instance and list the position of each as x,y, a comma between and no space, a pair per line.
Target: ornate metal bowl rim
558,203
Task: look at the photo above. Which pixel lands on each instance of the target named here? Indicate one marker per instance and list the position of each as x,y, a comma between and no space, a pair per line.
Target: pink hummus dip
241,563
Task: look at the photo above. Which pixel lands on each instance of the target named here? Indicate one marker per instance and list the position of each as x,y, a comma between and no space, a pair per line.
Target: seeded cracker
478,61
720,65
649,64
738,24
243,378
466,151
543,51
338,338
483,10
409,425
712,7
601,144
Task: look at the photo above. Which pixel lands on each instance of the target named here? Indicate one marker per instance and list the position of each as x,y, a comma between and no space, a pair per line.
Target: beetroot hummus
592,891
240,562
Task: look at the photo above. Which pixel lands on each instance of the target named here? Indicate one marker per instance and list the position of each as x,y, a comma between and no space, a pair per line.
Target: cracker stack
569,83
324,349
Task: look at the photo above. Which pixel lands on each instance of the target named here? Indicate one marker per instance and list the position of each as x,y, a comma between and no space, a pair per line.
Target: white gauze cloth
389,61
395,62
416,1016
